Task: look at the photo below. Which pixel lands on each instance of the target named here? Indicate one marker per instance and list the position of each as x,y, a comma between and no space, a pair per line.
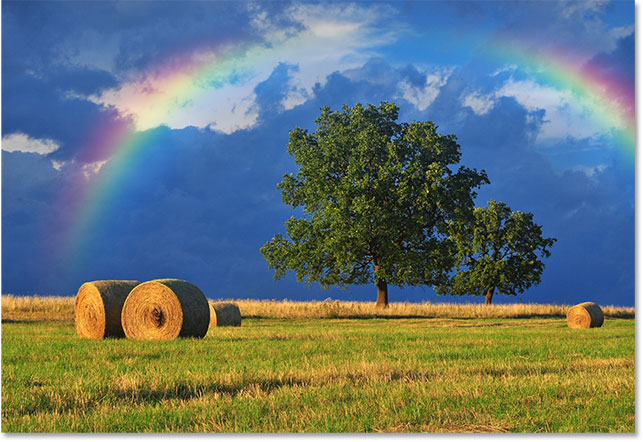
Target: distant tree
497,250
376,197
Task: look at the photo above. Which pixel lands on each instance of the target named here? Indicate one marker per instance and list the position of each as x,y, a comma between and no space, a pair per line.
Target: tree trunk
382,291
487,298
382,294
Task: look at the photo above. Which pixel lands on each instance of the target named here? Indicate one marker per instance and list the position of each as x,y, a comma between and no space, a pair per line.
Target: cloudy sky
145,139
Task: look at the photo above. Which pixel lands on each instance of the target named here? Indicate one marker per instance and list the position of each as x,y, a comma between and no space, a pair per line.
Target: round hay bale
585,315
224,314
165,309
98,306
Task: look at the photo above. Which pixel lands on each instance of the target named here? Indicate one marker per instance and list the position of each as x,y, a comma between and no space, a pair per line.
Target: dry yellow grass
58,308
37,308
341,309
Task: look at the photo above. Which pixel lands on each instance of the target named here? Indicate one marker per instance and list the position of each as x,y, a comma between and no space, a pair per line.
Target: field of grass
323,369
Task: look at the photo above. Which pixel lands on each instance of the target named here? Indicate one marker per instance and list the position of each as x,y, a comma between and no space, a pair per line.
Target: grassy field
324,369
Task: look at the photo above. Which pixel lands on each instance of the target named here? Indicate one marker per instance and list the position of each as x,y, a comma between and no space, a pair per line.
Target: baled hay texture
585,315
224,314
98,306
164,309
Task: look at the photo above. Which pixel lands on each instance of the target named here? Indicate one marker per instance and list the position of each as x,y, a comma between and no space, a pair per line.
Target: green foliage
376,196
497,249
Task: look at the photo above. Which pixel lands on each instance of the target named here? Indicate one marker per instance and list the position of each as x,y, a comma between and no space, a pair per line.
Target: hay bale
585,315
164,309
98,306
224,314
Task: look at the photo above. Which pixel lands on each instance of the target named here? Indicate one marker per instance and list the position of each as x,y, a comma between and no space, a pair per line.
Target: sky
145,140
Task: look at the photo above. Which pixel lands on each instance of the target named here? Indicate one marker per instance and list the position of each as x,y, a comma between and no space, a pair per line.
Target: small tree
497,250
376,196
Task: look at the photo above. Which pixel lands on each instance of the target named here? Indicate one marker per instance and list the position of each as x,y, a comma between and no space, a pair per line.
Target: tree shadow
19,321
187,391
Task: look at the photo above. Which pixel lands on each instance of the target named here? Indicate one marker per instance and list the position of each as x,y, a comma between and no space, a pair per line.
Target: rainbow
126,147
607,96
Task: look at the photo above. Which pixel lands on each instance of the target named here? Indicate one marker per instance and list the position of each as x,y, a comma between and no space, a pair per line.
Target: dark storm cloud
202,203
273,90
617,67
200,211
80,80
45,33
583,25
619,62
29,186
203,208
592,217
50,48
40,108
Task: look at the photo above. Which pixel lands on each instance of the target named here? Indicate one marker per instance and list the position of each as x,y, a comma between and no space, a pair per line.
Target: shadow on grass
63,402
38,320
620,316
44,398
518,316
187,391
367,317
143,356
19,321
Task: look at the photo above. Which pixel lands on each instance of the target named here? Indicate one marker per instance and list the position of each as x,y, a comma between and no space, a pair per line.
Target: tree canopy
497,250
376,197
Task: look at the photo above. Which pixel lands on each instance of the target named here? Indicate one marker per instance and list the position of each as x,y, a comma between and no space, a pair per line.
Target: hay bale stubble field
336,374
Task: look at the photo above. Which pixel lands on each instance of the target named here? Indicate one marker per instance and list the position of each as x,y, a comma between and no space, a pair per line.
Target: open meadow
324,367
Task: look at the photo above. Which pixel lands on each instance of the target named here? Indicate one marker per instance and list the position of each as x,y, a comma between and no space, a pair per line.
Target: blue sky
204,200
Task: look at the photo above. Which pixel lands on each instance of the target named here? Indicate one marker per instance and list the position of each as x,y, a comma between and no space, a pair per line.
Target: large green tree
376,197
497,250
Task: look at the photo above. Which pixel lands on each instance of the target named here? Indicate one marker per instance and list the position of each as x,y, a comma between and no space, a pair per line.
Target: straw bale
585,315
165,309
223,314
98,306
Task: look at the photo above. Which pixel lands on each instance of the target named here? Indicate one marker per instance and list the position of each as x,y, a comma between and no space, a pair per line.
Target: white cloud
590,171
24,143
615,34
505,68
423,97
586,24
58,165
335,37
564,115
479,103
86,169
577,8
90,169
186,98
532,95
621,31
217,89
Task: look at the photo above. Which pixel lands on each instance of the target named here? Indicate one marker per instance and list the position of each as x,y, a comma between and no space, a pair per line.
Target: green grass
325,375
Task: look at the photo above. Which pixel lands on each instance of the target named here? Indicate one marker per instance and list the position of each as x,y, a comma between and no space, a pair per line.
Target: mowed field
324,367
